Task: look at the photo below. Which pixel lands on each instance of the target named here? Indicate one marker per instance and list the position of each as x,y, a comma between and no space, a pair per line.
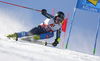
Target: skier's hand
55,43
44,11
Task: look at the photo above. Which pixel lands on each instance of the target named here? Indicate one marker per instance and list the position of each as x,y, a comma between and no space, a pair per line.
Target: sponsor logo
47,36
94,2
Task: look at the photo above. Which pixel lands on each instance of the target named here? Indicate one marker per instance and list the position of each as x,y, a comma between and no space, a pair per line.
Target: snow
25,51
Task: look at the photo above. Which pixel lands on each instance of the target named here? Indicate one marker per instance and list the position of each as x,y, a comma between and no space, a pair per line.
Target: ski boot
45,43
37,37
14,36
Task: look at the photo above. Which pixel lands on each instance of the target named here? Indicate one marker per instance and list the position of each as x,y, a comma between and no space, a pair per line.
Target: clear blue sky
84,27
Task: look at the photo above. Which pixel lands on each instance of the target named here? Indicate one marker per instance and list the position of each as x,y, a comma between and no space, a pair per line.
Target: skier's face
59,20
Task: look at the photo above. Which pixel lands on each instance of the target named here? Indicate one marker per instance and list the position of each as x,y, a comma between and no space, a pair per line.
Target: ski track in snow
25,51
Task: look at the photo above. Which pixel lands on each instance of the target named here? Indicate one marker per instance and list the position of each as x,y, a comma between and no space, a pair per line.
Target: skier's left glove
56,42
44,11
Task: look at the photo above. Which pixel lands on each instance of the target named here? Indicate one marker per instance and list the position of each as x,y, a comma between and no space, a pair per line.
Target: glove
44,11
55,43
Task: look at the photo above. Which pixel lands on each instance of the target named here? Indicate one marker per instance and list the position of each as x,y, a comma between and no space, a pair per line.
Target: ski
30,39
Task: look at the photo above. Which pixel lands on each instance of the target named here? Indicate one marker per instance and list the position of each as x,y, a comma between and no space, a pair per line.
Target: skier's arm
58,33
44,12
57,37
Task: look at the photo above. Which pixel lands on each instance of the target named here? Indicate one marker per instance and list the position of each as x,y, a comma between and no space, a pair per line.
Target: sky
84,28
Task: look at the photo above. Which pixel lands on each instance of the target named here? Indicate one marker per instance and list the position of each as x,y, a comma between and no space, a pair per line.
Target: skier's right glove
44,11
56,42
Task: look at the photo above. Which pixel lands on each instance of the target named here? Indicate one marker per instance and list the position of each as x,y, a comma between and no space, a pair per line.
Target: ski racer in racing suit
45,29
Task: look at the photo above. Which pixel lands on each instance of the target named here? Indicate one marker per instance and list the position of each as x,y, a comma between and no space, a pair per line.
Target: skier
45,29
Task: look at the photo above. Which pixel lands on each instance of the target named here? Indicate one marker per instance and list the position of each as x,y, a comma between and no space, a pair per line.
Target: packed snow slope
24,51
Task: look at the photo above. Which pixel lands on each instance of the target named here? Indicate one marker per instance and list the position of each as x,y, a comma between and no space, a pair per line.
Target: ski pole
20,6
49,43
45,43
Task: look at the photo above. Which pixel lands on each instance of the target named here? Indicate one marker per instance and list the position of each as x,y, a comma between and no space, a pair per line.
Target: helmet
60,14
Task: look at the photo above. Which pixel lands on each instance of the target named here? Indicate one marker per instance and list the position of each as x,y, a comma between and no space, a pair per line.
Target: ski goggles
59,19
